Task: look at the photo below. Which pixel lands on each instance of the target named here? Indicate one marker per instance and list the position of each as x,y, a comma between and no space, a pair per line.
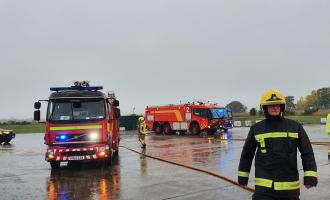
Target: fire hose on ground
193,168
250,189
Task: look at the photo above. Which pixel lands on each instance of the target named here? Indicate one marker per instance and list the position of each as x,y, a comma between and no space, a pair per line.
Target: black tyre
167,129
211,131
182,132
55,164
158,128
115,153
195,129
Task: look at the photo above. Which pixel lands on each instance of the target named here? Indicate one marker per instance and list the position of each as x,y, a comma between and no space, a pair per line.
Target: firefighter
142,131
276,140
327,129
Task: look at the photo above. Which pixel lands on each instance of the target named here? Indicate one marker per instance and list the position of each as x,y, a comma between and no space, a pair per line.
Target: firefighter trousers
268,197
142,139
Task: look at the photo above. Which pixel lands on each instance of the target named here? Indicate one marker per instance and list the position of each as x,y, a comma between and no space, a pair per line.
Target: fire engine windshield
75,110
221,113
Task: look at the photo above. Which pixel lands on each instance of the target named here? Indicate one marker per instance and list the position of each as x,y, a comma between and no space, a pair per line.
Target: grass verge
26,128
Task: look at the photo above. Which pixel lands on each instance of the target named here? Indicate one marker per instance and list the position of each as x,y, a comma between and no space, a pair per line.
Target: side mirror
37,105
117,112
116,103
37,115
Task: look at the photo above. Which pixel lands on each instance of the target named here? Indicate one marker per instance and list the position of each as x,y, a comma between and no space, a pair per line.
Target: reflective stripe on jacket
274,144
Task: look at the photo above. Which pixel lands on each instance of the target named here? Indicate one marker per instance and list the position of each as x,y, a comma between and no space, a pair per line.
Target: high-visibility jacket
142,128
276,173
327,126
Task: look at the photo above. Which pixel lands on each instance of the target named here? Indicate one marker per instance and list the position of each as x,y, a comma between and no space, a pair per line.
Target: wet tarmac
25,175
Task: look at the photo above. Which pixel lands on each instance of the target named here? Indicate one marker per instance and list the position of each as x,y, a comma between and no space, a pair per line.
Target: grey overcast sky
162,51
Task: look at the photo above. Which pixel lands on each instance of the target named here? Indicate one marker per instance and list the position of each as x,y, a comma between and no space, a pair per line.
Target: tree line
316,100
13,122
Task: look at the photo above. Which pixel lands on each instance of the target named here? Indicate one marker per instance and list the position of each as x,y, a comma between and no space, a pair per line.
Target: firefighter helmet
272,97
141,119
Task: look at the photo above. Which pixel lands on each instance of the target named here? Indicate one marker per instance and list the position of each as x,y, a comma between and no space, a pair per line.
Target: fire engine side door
109,121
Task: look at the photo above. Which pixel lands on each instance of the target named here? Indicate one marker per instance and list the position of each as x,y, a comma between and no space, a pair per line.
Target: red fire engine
195,117
81,124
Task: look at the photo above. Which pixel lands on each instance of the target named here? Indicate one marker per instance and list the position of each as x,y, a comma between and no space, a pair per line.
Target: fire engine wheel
211,131
115,153
158,128
167,129
195,129
182,132
55,164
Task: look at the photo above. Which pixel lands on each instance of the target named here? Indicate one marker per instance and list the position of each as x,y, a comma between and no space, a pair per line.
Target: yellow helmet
141,119
272,97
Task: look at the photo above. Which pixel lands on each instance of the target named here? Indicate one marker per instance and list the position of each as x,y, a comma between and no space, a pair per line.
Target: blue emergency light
221,110
73,88
60,137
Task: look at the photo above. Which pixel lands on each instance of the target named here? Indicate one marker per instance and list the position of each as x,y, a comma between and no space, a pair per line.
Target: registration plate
76,158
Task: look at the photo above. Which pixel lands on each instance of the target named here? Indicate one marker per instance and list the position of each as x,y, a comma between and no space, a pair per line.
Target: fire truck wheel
194,129
115,153
182,132
158,128
167,129
211,131
55,164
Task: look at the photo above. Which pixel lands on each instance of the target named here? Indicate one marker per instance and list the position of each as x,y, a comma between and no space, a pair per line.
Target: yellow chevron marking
176,112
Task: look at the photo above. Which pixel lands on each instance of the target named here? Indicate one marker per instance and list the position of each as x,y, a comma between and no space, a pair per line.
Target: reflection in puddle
143,163
87,182
7,147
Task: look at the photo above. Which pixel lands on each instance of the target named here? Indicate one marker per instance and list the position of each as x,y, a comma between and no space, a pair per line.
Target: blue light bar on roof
72,88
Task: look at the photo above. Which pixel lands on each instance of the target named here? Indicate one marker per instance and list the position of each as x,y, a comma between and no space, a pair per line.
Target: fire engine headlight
93,136
101,148
51,151
102,152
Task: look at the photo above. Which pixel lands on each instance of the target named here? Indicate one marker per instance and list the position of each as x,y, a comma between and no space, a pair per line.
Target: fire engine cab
81,124
192,117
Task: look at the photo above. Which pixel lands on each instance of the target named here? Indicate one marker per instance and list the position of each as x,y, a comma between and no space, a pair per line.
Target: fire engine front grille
79,153
72,137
